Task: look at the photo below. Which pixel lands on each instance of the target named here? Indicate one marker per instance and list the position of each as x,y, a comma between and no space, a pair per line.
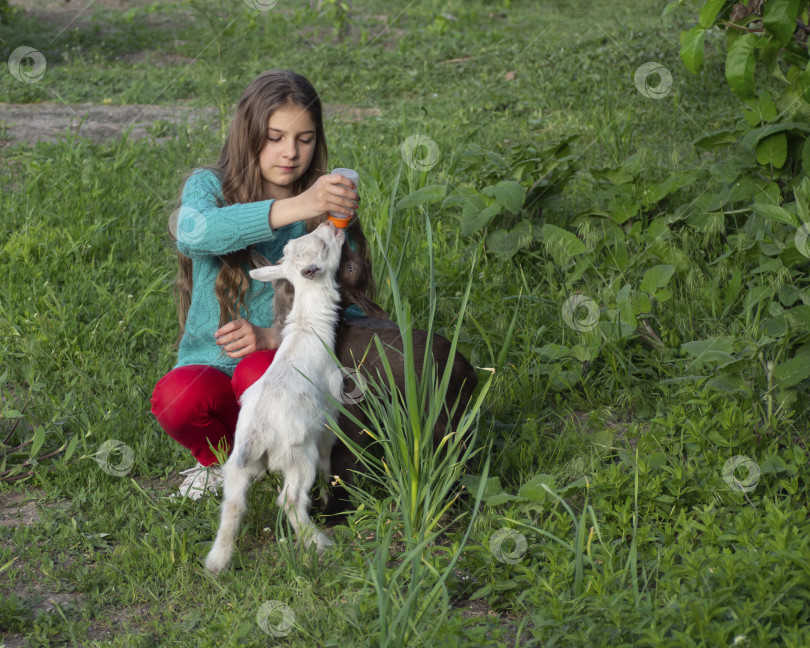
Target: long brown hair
239,171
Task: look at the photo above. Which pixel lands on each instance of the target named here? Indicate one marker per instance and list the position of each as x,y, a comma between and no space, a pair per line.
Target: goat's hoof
322,544
217,561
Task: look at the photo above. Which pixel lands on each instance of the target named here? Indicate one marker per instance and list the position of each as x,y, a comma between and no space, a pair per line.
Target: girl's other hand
239,338
327,194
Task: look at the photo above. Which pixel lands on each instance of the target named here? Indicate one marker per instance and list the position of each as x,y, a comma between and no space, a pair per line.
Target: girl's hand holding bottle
330,193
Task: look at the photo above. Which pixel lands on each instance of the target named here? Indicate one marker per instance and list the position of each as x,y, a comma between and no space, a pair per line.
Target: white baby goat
282,419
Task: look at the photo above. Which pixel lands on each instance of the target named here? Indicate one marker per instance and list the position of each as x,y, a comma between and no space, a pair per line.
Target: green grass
607,452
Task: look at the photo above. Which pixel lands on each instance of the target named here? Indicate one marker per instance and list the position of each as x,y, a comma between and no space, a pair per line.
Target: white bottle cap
351,174
339,219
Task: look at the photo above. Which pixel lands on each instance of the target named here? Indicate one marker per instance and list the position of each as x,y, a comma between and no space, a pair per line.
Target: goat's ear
311,271
268,273
367,306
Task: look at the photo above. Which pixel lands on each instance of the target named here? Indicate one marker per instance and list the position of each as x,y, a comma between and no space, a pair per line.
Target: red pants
198,404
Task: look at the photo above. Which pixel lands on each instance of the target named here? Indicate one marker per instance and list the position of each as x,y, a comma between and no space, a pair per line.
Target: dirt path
49,122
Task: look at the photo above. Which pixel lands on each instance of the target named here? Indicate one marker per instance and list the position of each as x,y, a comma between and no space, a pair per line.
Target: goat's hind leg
299,476
236,483
325,444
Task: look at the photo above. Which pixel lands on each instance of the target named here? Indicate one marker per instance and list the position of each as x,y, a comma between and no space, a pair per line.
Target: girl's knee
250,369
185,393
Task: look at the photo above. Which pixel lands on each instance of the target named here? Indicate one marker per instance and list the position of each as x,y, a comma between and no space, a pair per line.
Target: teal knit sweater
204,232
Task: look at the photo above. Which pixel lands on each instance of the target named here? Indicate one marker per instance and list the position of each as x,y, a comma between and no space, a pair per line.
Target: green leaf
553,351
39,439
614,175
71,448
730,384
626,313
662,295
709,12
467,197
717,139
622,208
582,352
788,295
597,438
766,106
501,498
773,150
8,564
775,327
772,463
533,489
657,277
791,372
492,487
486,590
779,18
641,302
633,164
657,192
752,138
672,6
718,439
740,65
711,351
471,221
775,212
800,315
506,244
433,193
751,113
509,194
692,48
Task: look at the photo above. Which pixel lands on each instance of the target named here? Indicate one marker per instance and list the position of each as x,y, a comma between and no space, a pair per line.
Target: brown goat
355,348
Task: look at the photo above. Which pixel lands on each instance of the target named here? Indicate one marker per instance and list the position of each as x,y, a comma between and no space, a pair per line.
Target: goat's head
313,257
353,273
354,277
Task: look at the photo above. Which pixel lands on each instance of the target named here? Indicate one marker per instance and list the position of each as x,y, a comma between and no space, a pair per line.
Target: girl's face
288,151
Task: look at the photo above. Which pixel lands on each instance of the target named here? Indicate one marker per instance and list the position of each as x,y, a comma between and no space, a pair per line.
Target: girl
267,188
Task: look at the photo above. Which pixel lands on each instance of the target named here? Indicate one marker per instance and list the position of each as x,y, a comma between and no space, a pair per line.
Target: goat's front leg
299,476
236,483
